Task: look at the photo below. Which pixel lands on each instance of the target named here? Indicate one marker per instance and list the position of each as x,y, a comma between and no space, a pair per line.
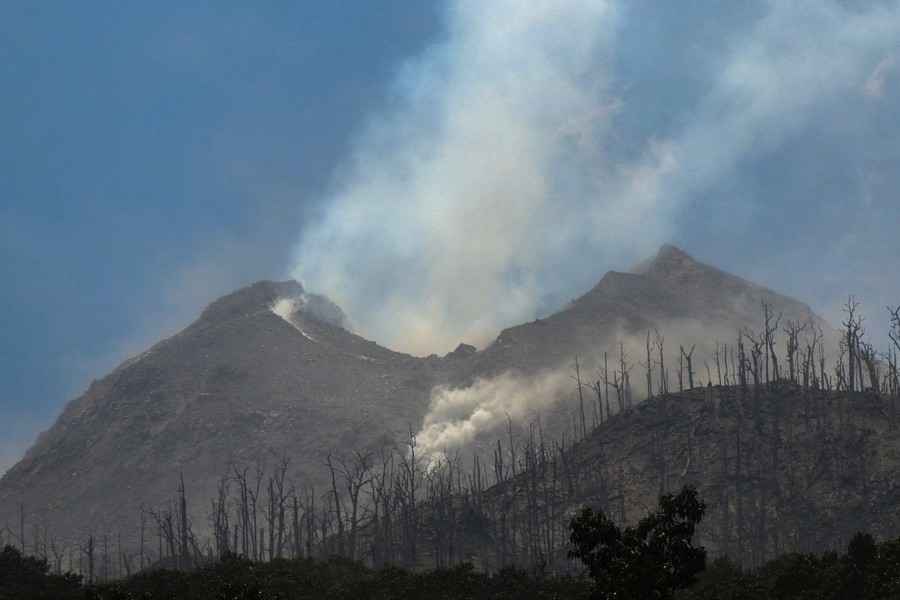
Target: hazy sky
440,168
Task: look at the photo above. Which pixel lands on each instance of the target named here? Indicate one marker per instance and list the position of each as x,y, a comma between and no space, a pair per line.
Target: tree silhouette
651,560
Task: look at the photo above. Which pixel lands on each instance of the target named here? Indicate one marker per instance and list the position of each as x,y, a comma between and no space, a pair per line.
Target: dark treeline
657,558
756,429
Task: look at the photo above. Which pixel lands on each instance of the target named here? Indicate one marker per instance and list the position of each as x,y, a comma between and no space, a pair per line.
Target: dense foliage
868,571
651,560
237,578
27,578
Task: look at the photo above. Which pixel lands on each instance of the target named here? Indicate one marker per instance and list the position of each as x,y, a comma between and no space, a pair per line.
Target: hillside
269,372
690,302
782,469
240,384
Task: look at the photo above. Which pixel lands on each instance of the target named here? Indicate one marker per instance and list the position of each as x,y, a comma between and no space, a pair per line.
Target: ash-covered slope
688,301
781,468
269,371
241,384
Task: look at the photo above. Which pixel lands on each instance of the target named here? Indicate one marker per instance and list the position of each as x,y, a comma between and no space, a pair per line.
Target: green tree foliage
25,577
236,578
868,571
651,560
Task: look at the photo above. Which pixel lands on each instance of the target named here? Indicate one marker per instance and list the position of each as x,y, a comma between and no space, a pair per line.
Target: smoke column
466,198
493,185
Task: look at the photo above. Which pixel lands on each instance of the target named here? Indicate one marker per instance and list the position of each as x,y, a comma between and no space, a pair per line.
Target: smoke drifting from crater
466,197
492,186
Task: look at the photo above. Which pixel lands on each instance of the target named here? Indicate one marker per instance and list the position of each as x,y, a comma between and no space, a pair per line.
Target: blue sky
155,156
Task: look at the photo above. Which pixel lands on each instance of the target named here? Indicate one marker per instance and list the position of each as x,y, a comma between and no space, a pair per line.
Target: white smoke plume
457,416
465,200
492,180
313,306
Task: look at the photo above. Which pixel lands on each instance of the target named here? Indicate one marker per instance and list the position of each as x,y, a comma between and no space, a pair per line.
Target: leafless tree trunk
580,398
793,330
337,503
689,360
853,328
649,369
660,341
143,527
770,329
88,551
606,382
718,365
356,475
184,558
22,526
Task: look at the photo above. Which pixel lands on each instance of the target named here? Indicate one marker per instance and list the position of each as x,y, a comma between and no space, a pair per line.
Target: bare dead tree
22,526
309,512
894,331
793,330
771,328
88,551
142,530
337,503
598,391
58,551
580,387
219,518
382,497
254,493
893,374
649,367
357,475
852,331
659,341
719,364
245,523
688,358
840,371
625,379
598,387
618,386
869,358
276,507
410,482
184,557
296,526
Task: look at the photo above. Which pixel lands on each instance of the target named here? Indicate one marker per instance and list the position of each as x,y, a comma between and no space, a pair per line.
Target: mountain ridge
243,383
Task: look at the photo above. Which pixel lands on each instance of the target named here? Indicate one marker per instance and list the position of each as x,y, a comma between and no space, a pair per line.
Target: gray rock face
686,300
273,370
463,351
322,309
240,384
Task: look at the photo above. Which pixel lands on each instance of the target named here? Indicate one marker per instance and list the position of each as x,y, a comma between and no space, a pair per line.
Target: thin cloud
875,84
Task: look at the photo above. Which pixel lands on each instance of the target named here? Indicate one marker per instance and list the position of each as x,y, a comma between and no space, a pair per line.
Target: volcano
271,372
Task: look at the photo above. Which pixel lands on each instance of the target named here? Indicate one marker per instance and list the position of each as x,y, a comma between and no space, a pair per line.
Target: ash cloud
465,198
477,193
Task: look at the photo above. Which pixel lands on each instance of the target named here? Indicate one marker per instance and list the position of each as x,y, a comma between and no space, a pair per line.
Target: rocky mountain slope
686,300
269,371
240,384
781,468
